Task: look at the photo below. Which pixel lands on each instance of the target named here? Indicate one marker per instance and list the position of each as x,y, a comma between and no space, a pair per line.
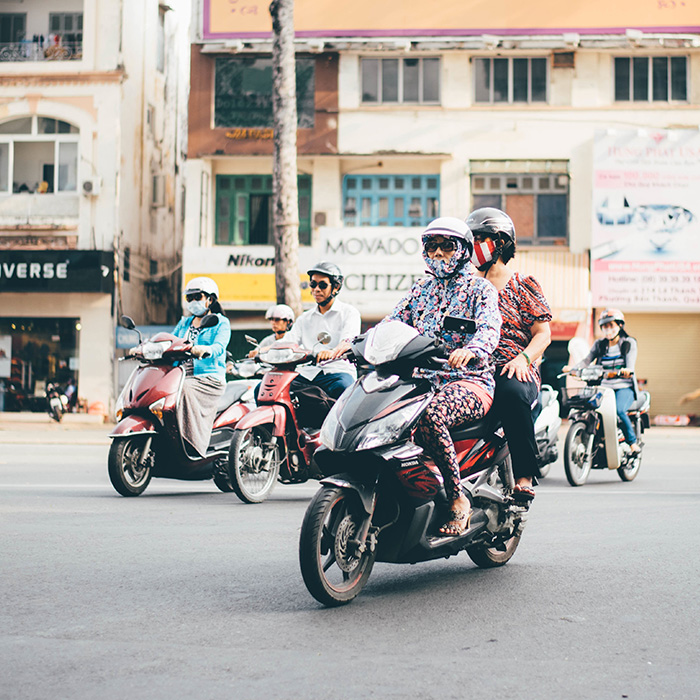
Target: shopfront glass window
41,350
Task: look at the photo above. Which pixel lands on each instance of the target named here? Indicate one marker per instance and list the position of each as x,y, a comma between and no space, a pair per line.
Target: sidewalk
75,428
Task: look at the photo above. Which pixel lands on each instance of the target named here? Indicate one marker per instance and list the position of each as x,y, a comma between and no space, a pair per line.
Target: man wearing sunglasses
340,320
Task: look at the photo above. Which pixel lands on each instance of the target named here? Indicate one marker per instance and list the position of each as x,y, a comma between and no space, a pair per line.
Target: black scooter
383,498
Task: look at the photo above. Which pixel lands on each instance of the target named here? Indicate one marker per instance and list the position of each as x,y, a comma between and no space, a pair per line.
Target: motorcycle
382,498
56,401
595,439
547,424
277,440
147,441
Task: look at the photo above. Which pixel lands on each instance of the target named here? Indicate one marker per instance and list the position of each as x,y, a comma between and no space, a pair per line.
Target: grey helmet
330,270
492,221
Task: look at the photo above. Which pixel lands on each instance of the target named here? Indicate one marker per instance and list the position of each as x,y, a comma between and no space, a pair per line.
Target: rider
616,351
205,377
281,318
525,336
340,320
435,306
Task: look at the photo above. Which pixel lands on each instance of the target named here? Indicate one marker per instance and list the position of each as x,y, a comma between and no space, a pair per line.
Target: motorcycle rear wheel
489,557
128,473
253,463
577,458
629,472
333,570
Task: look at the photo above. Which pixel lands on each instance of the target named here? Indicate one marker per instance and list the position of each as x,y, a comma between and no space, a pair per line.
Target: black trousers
513,403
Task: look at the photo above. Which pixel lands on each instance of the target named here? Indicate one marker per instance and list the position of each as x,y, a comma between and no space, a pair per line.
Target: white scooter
595,440
547,424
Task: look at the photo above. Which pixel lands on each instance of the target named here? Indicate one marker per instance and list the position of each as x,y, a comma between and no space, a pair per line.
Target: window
38,154
651,79
510,80
244,210
12,27
66,31
538,203
400,80
390,200
243,92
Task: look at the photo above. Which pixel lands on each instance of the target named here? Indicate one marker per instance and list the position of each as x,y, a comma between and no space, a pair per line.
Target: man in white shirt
340,320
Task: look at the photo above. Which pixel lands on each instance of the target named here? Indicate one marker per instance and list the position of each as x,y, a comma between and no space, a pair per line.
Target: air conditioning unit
91,187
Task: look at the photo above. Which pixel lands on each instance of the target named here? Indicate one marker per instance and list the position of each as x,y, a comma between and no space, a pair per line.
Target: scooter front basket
586,398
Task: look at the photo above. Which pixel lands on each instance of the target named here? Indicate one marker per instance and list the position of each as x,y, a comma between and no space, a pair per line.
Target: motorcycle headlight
388,429
154,351
156,408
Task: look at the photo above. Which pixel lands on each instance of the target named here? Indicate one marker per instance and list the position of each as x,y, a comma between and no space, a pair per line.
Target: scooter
547,424
147,441
383,498
276,441
594,439
56,401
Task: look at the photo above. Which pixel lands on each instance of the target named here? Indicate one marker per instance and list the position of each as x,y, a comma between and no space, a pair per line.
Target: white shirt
341,322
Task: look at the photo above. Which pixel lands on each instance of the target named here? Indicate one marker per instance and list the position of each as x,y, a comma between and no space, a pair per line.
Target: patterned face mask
483,253
446,268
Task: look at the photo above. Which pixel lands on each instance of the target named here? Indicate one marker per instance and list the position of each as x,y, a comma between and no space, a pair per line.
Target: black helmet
489,220
330,270
451,227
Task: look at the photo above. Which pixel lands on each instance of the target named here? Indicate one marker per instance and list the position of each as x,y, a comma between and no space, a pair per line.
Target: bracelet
525,355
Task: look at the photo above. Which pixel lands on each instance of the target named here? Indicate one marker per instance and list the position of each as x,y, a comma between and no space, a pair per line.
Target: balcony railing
34,51
21,209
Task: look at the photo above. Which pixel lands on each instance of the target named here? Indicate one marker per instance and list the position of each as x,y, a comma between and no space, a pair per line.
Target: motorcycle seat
232,393
640,402
485,426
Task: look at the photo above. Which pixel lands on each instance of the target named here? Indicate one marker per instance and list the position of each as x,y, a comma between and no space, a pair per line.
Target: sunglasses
447,245
278,319
322,285
194,297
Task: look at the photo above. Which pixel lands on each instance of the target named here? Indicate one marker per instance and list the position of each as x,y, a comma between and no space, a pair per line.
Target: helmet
608,315
202,284
491,221
280,311
330,270
451,227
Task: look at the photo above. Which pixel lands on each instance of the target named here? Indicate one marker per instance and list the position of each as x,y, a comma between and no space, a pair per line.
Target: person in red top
525,336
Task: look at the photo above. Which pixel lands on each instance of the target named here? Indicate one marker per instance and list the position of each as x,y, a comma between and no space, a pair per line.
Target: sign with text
55,271
645,247
224,19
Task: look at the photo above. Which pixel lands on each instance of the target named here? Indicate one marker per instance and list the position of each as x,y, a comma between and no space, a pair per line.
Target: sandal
458,523
523,494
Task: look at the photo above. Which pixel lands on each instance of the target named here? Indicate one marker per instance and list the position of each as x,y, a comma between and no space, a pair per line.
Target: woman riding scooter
205,376
616,351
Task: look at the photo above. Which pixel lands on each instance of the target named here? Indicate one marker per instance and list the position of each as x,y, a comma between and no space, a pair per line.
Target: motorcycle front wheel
577,457
254,463
128,472
333,566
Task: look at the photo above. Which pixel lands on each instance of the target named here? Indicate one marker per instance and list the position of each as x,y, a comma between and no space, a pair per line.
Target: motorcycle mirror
127,322
209,321
323,338
251,340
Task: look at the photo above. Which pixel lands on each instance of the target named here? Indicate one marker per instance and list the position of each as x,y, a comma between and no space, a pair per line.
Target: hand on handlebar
460,358
335,353
200,351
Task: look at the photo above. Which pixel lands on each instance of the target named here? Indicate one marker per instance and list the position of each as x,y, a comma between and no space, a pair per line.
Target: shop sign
55,271
645,248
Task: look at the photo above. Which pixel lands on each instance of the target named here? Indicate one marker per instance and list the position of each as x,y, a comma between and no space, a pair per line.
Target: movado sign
55,271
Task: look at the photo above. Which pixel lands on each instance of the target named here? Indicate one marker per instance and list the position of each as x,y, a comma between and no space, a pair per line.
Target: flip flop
458,523
523,494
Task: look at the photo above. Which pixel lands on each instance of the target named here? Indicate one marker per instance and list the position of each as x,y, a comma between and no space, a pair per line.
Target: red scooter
147,441
277,440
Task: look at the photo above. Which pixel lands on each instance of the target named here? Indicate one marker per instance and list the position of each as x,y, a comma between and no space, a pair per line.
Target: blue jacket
216,338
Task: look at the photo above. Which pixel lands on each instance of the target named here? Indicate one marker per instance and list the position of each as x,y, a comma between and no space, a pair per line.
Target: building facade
92,137
403,117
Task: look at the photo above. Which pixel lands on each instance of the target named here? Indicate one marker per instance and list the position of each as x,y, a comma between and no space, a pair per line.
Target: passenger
340,320
525,335
281,318
465,387
616,351
205,377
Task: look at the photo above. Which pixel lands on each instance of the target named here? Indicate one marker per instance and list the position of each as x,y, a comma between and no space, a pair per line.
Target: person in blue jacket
205,373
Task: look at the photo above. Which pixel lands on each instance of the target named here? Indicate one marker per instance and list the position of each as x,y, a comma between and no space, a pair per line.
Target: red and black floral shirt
521,303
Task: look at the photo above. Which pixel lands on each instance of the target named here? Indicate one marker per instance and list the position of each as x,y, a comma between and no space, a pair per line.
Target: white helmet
281,311
202,284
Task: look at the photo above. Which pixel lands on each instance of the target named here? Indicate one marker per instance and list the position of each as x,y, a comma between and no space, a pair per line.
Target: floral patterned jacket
427,304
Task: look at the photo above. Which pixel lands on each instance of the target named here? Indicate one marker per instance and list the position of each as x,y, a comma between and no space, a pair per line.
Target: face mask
443,269
197,308
483,253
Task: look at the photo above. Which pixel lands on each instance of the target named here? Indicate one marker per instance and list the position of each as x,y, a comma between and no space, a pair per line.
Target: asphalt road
185,592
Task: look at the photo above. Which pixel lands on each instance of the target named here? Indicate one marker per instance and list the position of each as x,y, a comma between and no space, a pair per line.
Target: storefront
55,325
